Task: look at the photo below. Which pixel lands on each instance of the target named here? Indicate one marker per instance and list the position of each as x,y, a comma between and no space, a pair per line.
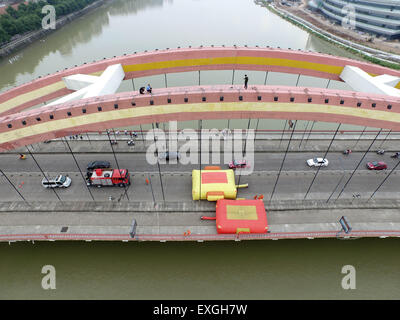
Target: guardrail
200,237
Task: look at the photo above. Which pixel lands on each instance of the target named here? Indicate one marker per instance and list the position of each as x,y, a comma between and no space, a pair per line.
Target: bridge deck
171,220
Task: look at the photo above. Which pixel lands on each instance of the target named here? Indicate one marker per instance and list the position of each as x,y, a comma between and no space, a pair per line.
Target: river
285,269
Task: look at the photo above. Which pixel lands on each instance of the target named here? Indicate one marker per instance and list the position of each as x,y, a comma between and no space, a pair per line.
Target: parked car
169,155
318,162
375,165
98,165
60,181
237,164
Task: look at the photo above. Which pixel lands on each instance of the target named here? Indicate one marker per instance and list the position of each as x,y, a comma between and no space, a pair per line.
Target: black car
98,165
169,155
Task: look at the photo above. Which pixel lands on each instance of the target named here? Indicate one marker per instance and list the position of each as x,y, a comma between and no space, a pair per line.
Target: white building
381,17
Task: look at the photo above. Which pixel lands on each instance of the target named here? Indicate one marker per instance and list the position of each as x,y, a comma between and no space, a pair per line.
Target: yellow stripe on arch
36,94
98,117
261,61
31,95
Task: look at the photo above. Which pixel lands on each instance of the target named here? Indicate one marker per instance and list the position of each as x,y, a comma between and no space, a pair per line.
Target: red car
237,164
375,165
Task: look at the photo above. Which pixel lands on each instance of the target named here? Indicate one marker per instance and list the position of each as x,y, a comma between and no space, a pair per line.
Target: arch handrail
193,103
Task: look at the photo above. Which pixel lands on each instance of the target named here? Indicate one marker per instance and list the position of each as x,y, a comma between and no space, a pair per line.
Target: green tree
28,16
8,24
12,12
4,37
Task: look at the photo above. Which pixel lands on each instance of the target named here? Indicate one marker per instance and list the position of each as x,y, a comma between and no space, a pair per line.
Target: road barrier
199,237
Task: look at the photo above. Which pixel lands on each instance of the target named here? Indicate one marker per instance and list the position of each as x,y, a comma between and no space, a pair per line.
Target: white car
58,182
317,162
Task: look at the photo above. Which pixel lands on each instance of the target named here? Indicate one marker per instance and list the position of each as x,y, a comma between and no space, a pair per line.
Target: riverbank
376,56
36,35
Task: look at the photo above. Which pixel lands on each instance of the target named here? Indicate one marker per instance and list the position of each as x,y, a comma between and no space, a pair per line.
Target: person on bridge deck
246,80
149,88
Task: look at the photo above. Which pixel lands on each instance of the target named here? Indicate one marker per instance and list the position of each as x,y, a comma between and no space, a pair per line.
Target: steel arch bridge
19,127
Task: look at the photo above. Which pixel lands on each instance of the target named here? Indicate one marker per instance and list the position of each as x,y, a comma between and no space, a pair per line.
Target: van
58,182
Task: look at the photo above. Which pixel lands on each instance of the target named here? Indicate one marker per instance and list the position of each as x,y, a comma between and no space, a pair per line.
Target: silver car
60,181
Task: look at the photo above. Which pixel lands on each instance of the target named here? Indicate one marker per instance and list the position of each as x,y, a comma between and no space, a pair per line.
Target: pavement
176,218
301,141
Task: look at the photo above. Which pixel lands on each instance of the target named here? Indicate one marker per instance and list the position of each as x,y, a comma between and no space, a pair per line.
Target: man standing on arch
246,80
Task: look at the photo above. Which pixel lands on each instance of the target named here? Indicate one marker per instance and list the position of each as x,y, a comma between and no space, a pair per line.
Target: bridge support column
298,78
362,159
391,171
283,161
9,181
327,150
266,77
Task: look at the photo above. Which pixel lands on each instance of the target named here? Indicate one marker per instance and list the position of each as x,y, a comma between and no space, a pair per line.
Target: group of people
75,137
148,89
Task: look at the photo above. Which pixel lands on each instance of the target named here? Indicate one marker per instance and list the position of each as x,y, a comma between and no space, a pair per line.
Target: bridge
24,125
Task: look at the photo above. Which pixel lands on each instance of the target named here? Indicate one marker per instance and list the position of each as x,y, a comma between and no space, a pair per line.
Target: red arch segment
193,103
190,59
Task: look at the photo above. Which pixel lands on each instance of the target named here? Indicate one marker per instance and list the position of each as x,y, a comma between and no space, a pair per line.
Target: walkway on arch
185,60
193,103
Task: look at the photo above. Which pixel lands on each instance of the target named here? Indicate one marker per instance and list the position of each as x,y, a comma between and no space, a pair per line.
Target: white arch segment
361,81
91,86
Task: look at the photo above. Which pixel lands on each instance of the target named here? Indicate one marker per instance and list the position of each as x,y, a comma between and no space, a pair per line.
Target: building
6,3
380,17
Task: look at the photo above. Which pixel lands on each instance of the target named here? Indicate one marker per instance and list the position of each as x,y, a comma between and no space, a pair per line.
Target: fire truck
108,177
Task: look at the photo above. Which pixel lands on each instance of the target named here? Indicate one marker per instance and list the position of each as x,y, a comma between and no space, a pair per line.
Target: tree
8,24
28,17
12,12
4,37
22,8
